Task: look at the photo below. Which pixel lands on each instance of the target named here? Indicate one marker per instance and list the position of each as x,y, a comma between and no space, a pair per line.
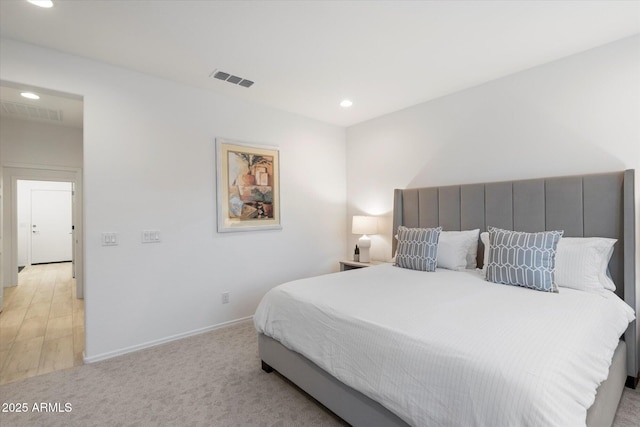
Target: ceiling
53,107
307,56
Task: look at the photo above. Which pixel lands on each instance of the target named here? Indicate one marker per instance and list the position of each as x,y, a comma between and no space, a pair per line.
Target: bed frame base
347,403
632,382
359,410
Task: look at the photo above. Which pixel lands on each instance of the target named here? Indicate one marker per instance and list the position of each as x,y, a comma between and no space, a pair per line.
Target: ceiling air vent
221,75
31,112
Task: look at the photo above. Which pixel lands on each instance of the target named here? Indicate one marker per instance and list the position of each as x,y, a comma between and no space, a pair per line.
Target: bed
390,382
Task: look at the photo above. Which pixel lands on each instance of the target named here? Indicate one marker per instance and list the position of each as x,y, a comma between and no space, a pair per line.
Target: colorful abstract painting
248,186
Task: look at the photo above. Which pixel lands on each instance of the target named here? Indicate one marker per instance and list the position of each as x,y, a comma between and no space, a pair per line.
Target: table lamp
364,225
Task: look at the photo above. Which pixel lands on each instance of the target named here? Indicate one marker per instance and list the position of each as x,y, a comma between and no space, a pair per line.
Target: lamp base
364,243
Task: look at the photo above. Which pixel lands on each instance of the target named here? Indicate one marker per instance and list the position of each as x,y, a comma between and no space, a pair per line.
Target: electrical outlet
225,297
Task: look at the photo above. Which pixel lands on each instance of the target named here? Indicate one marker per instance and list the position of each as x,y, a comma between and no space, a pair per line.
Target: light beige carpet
213,379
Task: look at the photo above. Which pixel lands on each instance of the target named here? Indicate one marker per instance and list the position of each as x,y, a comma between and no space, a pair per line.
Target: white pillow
457,249
484,237
582,263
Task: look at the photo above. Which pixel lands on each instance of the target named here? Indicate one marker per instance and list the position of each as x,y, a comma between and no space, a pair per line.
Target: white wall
149,164
26,142
577,115
24,213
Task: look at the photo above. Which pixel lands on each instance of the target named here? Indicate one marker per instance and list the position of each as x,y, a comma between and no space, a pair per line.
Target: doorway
45,222
13,227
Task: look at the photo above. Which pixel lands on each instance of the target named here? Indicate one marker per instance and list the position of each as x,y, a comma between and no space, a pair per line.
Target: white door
51,235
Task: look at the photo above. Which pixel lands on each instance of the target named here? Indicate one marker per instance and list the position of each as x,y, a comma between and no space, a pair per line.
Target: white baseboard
148,344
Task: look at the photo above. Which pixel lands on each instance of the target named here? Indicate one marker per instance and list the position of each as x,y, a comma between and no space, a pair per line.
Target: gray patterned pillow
417,248
523,259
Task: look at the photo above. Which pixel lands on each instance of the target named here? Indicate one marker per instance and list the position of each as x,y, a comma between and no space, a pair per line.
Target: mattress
449,348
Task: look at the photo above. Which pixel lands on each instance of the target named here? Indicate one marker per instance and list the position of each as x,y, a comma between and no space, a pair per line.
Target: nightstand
352,265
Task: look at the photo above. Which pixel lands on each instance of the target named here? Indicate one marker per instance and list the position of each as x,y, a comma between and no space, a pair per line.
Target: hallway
42,323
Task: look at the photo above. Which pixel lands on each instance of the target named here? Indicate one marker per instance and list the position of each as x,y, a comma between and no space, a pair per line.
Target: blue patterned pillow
523,259
417,248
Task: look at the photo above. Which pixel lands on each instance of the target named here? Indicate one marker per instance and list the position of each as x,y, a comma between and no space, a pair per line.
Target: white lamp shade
364,225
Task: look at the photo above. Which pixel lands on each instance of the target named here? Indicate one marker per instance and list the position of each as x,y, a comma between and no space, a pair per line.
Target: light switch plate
109,239
150,236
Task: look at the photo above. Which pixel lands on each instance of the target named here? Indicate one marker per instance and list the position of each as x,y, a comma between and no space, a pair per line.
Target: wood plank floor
41,324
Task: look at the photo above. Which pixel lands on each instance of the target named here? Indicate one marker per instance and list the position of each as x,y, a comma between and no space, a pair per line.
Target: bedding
457,250
582,263
484,238
450,348
418,248
523,259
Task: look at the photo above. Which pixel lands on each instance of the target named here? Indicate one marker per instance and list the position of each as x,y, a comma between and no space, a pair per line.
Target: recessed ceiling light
30,95
42,3
346,103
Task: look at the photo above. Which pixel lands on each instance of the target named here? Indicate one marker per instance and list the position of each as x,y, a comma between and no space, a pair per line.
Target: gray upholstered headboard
587,205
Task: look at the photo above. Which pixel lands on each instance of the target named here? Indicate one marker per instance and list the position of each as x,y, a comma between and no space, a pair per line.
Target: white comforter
448,348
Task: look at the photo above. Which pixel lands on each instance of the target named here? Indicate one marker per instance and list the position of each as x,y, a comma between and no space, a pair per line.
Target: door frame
11,173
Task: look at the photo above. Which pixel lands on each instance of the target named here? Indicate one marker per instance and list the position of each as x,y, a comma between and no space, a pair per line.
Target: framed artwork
248,186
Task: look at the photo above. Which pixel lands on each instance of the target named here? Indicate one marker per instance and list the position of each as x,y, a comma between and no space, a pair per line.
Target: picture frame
248,186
